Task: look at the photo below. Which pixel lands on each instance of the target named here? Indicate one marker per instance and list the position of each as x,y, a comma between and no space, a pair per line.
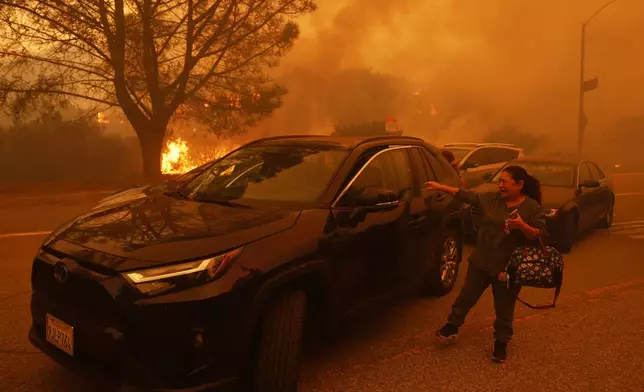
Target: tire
569,233
280,344
444,273
607,221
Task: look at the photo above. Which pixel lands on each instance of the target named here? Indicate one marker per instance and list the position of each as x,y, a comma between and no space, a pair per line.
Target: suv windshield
280,173
548,174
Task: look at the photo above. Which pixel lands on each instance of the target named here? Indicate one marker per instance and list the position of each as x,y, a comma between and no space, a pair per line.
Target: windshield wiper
221,202
176,194
227,203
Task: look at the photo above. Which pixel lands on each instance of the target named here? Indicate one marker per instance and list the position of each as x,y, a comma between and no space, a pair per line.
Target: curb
9,197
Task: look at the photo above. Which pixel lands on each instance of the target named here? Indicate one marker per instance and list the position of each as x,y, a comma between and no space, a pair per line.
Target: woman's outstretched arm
466,196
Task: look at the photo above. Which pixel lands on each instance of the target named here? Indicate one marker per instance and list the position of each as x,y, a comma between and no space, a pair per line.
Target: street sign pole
584,85
581,127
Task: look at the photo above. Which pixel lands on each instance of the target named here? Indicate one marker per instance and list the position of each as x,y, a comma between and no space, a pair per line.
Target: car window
491,156
595,172
459,153
438,171
584,173
507,154
482,157
419,165
548,173
389,170
272,173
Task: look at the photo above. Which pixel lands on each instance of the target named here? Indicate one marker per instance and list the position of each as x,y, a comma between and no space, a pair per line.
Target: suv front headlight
156,280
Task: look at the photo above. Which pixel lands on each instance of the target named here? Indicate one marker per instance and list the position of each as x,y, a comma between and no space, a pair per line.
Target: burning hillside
179,158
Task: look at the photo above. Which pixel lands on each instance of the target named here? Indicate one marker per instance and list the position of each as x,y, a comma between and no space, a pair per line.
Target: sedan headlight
156,280
551,212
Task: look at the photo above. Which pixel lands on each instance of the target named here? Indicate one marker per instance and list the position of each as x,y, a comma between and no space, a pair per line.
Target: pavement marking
630,194
28,234
589,296
633,229
626,174
9,197
634,232
627,223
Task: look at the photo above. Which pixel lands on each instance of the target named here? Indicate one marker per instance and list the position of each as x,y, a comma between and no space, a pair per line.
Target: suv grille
85,295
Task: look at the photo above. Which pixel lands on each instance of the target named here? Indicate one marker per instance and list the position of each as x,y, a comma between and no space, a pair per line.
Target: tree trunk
151,151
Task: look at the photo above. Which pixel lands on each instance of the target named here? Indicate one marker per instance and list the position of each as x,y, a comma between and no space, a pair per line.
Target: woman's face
508,187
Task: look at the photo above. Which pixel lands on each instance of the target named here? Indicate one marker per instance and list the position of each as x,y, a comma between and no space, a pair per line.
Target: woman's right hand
433,186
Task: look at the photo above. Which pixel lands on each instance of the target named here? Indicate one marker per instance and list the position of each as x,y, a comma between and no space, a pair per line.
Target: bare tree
154,59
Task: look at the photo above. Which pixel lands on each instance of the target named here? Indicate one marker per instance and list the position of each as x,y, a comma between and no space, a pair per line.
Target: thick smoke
456,70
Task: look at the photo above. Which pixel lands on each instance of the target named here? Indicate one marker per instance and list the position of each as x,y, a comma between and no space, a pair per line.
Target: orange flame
178,158
101,118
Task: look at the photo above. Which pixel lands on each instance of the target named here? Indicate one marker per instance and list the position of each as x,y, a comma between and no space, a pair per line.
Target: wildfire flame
178,158
101,119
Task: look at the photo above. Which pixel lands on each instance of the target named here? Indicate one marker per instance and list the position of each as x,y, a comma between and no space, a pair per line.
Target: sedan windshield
280,173
548,174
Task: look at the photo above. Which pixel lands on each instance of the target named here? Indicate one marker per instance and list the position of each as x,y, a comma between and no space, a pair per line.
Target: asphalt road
592,341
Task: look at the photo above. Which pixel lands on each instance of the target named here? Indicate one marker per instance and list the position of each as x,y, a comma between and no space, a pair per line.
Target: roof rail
364,139
282,137
462,144
394,138
480,145
500,144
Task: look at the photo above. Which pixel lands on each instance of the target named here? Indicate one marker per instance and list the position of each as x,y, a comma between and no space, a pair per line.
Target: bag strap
554,300
543,244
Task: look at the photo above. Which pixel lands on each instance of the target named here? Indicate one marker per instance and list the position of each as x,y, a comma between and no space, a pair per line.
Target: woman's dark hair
531,186
448,155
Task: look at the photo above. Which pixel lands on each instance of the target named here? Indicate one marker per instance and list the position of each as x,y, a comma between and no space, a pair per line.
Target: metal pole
582,116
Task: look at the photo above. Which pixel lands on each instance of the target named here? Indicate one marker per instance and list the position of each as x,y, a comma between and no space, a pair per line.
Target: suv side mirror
590,184
377,199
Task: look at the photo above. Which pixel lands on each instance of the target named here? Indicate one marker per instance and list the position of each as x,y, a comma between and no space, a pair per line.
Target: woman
451,159
454,163
499,234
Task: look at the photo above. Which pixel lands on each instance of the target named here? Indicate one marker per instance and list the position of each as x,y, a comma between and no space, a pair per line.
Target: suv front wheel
448,259
280,345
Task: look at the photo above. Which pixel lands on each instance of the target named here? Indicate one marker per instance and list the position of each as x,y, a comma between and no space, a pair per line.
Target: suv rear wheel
280,345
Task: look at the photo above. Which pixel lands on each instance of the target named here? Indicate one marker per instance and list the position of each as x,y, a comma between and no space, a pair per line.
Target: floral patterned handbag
536,266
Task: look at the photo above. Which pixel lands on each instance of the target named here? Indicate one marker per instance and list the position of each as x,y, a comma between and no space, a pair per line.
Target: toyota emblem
60,273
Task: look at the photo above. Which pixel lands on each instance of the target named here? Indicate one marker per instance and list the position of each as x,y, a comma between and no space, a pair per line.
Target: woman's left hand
516,223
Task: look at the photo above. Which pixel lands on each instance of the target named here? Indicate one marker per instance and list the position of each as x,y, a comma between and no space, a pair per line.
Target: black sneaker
448,333
500,353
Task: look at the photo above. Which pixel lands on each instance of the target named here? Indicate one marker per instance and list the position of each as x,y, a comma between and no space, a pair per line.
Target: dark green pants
476,282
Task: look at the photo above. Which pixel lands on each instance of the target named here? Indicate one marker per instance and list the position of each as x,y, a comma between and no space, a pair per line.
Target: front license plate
60,334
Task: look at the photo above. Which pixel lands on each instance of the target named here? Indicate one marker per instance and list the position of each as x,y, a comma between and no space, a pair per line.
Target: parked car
209,285
480,160
577,196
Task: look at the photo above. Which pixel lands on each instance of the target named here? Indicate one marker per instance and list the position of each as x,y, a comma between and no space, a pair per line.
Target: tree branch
66,29
61,63
150,59
58,92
